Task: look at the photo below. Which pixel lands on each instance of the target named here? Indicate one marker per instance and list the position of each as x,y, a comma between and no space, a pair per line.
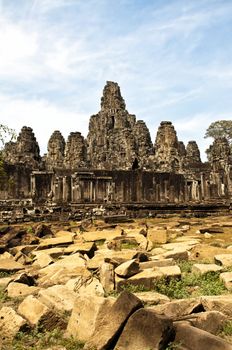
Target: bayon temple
116,163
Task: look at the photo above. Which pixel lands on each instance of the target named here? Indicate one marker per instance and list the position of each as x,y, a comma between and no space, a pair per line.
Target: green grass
3,296
227,329
191,285
129,245
36,340
173,346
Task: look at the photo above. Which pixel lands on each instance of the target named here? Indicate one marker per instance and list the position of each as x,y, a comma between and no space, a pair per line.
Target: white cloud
43,116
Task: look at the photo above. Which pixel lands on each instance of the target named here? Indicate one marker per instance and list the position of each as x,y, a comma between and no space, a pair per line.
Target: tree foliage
6,134
220,128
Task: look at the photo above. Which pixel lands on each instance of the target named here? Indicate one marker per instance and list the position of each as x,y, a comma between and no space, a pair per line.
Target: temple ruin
116,163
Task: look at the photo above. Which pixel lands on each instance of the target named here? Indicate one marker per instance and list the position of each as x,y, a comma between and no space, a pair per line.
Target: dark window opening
135,164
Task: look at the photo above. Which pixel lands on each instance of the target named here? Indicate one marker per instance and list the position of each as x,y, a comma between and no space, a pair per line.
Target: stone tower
112,139
168,150
56,146
75,151
25,150
192,153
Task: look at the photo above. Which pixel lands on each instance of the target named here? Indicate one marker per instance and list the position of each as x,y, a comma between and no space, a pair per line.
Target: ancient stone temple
116,163
113,141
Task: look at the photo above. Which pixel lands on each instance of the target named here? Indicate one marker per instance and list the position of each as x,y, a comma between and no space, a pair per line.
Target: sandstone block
204,268
10,324
145,330
128,268
105,331
194,338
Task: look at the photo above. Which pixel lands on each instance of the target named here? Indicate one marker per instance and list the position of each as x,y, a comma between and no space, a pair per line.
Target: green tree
6,134
220,128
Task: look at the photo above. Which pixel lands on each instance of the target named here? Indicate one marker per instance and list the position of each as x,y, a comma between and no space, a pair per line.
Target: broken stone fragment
15,289
110,325
9,265
87,312
145,330
205,268
128,268
224,259
10,324
58,297
38,314
194,338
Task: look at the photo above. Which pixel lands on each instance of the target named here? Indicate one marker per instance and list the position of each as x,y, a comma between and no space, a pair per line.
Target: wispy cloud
172,60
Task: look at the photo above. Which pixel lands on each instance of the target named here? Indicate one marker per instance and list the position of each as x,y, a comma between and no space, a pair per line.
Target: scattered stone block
145,278
113,321
226,277
86,286
145,330
204,268
9,265
222,303
15,289
157,236
107,277
209,321
38,314
10,324
178,308
128,268
53,242
224,259
58,297
150,298
194,338
87,311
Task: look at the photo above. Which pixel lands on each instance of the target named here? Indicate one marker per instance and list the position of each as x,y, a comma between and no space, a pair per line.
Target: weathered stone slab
157,236
200,339
59,297
204,268
10,324
107,277
145,278
224,259
209,321
150,298
38,314
53,242
226,277
113,321
87,311
128,268
15,289
177,308
157,263
9,265
222,303
145,330
86,286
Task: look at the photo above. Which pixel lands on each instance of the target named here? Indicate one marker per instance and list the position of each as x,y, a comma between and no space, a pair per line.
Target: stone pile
82,283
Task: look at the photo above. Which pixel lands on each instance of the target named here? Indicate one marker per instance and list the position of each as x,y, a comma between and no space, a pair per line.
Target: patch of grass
100,241
3,296
227,329
135,288
4,274
36,340
191,285
173,346
30,229
185,266
129,245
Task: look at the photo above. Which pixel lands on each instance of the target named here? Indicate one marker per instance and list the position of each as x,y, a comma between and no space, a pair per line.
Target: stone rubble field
162,283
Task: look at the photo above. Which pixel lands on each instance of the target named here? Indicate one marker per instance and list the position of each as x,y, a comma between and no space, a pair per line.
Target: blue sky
171,58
